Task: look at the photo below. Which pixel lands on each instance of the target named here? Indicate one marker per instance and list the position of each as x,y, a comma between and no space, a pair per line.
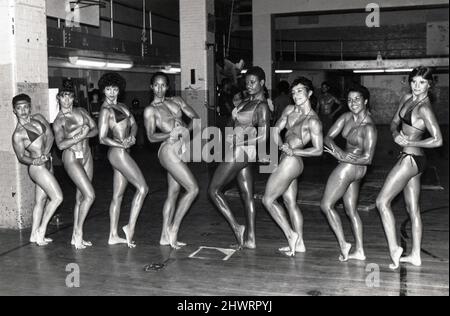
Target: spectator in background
282,100
326,107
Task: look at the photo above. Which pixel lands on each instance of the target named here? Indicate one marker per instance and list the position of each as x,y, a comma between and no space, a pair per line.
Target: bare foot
33,240
116,240
84,242
300,248
357,255
173,238
345,251
129,236
293,240
412,259
396,258
165,241
78,243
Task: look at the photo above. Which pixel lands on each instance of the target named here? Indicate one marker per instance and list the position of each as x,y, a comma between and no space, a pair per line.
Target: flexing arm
93,130
103,127
150,127
62,142
48,134
188,111
315,127
335,131
370,143
19,149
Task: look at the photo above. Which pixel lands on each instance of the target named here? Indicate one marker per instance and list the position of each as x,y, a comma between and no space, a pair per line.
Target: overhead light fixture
368,71
100,63
400,70
171,70
287,71
244,71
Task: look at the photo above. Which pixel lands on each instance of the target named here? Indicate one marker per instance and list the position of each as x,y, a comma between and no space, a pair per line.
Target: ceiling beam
364,64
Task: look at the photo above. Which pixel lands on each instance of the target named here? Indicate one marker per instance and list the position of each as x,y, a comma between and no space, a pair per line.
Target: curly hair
112,79
304,82
363,91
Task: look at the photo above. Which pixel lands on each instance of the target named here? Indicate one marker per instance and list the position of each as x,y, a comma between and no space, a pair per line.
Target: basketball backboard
75,12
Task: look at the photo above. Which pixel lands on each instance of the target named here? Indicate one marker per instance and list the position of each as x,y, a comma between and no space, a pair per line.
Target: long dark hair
426,73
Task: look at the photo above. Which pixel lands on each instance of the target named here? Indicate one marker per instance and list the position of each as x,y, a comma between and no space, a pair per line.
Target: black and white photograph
235,150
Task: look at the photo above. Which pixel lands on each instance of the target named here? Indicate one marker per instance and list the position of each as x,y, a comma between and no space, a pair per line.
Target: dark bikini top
407,117
32,136
120,117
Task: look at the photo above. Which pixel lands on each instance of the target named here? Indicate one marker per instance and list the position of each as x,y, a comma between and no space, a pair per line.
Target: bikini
32,137
79,155
421,161
244,120
170,141
352,138
120,117
299,135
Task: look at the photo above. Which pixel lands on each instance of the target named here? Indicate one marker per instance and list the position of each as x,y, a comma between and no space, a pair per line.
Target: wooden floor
29,270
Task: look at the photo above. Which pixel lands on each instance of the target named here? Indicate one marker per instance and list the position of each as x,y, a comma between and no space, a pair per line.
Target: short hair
326,83
360,89
160,74
363,91
283,86
256,71
303,81
21,98
112,79
425,72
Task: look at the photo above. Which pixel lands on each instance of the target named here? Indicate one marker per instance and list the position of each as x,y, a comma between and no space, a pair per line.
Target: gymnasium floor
149,269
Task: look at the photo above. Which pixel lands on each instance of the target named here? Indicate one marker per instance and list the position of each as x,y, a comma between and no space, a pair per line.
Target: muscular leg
80,176
120,185
246,183
169,208
395,183
412,200
225,173
290,200
180,172
337,185
351,207
38,212
277,185
50,188
123,162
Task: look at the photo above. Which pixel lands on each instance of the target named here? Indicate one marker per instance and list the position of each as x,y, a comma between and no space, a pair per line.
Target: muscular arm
19,149
188,110
150,127
93,130
48,134
334,131
315,127
370,143
103,127
62,142
426,113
